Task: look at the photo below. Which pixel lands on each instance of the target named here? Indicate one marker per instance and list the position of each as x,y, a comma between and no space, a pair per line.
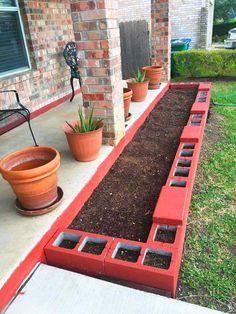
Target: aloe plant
139,77
85,125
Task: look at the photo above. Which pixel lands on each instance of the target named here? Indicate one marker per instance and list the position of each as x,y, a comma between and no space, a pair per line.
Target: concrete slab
20,234
53,290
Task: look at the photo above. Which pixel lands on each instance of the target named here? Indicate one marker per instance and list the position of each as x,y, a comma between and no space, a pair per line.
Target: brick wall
48,27
132,10
193,19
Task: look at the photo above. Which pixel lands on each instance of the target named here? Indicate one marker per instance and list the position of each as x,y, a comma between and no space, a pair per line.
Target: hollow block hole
197,116
93,245
67,240
188,146
186,153
157,258
181,172
184,163
165,234
178,183
127,252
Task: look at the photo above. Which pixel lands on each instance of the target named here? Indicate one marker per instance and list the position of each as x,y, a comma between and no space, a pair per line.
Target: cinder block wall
48,27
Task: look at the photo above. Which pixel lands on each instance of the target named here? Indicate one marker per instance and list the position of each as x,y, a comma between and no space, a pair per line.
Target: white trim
26,68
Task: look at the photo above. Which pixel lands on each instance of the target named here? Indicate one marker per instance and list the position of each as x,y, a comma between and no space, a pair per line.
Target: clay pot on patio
32,174
139,89
153,73
84,146
127,95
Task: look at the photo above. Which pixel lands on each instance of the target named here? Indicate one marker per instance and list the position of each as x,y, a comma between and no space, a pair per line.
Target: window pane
7,3
12,48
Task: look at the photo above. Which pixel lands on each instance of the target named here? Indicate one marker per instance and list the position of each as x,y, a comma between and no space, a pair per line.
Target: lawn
209,266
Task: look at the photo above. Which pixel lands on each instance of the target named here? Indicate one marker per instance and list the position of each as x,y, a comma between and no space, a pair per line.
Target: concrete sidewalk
52,290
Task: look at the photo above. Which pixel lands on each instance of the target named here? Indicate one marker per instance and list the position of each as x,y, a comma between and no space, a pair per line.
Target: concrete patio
20,234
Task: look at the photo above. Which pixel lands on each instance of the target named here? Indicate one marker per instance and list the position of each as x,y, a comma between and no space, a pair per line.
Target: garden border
175,194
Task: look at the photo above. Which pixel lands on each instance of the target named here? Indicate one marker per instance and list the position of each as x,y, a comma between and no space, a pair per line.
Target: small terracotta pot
127,95
84,146
153,73
32,174
139,90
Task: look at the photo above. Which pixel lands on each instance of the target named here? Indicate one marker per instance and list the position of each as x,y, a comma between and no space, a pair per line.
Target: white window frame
22,69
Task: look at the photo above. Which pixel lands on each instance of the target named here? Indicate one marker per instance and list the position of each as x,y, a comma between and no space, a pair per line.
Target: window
14,57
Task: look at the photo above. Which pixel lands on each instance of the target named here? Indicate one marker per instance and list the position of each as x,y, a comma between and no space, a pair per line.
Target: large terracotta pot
127,95
84,146
139,90
153,73
32,174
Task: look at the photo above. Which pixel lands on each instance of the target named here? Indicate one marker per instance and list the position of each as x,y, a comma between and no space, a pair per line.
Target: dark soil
68,244
157,260
165,235
127,255
123,203
93,248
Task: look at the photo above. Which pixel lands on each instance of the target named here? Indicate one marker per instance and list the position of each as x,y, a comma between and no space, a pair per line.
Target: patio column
161,35
98,42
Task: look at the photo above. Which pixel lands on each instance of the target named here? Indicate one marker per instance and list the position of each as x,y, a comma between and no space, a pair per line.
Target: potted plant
153,73
32,174
84,136
139,86
127,95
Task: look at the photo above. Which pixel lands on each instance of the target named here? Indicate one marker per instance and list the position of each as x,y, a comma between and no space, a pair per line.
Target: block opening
127,252
184,163
181,172
188,146
179,183
92,245
197,116
67,240
165,234
157,258
186,153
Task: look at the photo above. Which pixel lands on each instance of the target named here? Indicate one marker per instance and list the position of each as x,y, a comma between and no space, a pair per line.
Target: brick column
97,36
161,35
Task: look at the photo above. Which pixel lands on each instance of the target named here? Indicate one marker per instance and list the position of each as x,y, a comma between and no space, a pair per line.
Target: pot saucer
128,117
40,211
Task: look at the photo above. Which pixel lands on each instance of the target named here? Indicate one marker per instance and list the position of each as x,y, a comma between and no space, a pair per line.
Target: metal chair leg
32,133
72,87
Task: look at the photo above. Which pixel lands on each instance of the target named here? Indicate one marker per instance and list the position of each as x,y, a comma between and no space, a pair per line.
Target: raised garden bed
133,225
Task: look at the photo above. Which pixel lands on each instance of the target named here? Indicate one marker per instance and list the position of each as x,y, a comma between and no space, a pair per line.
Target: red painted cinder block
204,86
170,207
74,259
191,134
165,279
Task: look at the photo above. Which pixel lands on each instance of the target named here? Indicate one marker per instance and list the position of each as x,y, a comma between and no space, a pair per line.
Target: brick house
189,18
34,33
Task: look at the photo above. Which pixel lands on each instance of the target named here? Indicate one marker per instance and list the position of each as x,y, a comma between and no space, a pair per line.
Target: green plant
204,63
139,77
85,125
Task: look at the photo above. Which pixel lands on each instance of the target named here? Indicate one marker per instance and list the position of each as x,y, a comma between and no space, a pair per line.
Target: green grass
209,267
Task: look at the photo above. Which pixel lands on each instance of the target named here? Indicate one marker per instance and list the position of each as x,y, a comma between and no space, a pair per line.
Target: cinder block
204,86
191,134
170,208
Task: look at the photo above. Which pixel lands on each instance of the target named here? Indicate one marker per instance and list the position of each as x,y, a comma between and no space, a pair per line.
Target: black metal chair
70,56
15,113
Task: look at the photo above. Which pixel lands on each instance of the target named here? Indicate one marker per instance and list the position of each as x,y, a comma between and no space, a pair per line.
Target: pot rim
152,67
19,151
69,131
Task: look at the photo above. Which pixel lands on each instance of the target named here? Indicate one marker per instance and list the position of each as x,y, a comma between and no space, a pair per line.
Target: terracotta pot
153,73
32,174
127,95
139,90
84,146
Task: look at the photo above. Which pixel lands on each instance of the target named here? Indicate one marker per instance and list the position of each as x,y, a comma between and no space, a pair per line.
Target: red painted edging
171,210
10,288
